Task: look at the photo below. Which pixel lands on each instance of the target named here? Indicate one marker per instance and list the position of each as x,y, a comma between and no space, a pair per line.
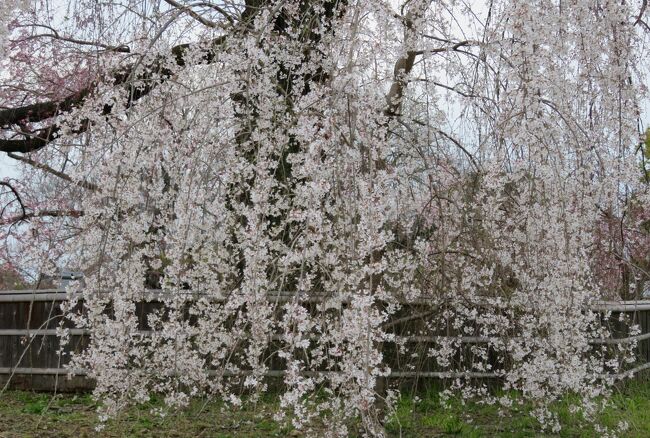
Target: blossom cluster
7,12
343,191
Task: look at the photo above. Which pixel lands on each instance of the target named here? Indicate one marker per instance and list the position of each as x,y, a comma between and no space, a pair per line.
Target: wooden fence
30,357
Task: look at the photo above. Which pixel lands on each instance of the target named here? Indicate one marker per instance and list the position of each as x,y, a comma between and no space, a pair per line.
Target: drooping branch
16,195
461,147
204,21
217,8
106,47
44,167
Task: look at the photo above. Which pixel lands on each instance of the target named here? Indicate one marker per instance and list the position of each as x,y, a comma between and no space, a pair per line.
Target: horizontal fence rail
38,295
31,316
396,339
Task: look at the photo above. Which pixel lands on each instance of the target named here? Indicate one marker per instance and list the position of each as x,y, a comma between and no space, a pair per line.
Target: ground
28,414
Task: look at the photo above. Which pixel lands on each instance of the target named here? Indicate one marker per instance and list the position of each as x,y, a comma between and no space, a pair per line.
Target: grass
472,419
28,414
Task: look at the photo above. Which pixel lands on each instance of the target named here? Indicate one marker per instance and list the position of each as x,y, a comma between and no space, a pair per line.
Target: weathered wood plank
28,322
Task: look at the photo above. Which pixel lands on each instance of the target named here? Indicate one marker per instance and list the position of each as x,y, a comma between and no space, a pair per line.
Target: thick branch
32,143
41,111
41,214
452,48
639,18
38,112
402,69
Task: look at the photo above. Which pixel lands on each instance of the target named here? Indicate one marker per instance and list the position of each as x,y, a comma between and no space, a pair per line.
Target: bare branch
639,18
192,13
120,49
56,35
459,146
42,214
452,48
16,195
48,169
217,8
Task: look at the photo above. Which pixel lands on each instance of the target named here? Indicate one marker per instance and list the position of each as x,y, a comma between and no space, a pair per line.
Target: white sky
9,168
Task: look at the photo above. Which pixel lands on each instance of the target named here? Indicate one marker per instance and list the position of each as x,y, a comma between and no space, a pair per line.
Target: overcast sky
9,168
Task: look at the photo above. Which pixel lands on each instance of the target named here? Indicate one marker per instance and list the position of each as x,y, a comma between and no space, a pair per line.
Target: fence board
28,341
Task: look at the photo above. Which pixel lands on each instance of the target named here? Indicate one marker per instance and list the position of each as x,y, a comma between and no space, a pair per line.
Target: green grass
28,414
473,419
